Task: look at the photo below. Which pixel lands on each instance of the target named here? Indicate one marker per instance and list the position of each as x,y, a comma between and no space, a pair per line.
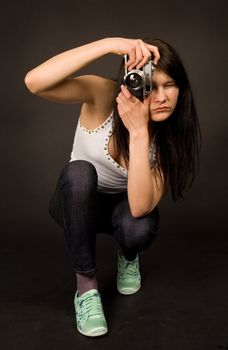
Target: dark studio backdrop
37,136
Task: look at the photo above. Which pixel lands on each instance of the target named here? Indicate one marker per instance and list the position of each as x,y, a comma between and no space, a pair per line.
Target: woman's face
164,96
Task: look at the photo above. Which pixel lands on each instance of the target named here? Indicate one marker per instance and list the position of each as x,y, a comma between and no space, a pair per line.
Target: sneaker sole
128,291
94,333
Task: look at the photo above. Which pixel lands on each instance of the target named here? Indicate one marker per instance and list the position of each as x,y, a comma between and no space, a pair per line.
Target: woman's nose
160,96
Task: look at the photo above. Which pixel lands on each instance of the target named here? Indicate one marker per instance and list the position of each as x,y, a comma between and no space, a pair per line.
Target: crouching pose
127,153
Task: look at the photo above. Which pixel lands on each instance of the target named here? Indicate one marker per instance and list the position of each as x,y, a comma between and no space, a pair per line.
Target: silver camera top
139,81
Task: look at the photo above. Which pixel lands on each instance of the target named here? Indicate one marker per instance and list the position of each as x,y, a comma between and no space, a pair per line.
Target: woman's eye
171,84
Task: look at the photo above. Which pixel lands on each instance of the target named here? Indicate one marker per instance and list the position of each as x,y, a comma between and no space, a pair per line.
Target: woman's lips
161,109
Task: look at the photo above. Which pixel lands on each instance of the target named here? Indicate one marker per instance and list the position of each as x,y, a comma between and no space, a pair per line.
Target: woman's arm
145,186
53,78
64,65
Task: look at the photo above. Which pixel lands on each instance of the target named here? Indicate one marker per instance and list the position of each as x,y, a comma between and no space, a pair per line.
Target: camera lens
134,81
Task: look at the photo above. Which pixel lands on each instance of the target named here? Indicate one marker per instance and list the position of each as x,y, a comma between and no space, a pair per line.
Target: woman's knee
138,233
140,236
79,175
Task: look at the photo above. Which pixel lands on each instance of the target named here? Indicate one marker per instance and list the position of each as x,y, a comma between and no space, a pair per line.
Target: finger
146,56
123,102
131,58
127,95
120,110
138,55
121,99
155,52
126,92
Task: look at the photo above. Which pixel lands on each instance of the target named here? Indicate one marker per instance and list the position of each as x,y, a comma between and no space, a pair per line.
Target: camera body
139,81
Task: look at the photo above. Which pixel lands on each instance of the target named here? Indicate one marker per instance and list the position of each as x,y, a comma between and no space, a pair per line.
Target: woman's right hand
137,50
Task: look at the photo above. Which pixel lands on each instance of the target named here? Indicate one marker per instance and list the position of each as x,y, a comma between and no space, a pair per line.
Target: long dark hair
178,138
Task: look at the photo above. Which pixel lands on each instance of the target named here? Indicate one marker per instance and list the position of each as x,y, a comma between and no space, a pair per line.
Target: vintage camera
139,81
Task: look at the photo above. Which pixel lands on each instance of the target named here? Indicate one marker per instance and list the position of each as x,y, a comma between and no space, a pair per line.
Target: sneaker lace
92,305
130,268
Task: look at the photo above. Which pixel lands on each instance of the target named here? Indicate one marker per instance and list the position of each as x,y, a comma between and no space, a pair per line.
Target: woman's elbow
138,212
30,83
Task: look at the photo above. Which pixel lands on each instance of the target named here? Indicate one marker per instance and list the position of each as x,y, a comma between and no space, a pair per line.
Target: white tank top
92,145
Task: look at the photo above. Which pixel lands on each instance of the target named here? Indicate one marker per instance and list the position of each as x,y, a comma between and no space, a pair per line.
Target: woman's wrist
112,44
139,134
104,44
139,142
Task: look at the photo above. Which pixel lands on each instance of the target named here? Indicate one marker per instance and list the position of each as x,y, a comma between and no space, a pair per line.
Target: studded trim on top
106,123
98,129
108,154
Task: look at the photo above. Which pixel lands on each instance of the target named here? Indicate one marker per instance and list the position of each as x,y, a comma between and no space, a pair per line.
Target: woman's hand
133,113
137,50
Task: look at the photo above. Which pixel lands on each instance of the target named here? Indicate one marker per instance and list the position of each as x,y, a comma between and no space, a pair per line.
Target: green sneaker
128,275
90,317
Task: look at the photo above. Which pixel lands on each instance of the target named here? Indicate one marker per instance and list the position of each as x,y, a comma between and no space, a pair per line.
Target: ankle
84,283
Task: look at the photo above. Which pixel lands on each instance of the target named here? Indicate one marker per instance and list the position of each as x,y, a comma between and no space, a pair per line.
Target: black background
36,137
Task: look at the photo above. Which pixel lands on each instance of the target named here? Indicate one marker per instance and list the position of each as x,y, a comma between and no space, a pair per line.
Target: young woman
126,154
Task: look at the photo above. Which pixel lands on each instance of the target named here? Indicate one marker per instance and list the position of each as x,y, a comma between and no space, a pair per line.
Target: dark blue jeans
83,212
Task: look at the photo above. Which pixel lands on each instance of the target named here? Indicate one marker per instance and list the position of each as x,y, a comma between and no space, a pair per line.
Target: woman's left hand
133,112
